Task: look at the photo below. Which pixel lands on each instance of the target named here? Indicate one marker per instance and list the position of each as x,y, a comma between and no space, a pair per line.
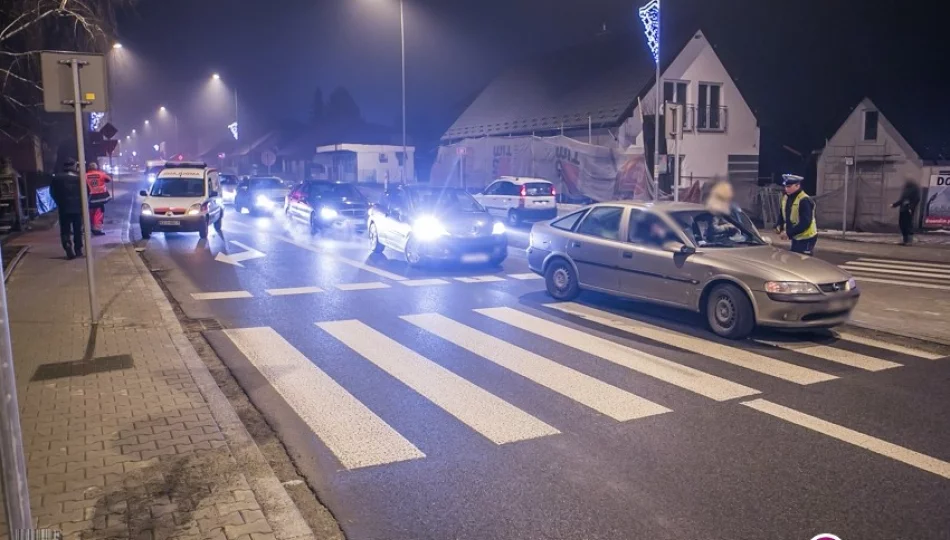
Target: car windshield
178,187
708,229
345,192
153,170
443,199
266,183
229,180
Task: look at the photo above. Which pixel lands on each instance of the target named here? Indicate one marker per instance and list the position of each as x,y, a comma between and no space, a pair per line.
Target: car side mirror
143,193
679,248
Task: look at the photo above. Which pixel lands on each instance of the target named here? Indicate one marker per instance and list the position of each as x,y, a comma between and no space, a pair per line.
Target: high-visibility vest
792,218
96,181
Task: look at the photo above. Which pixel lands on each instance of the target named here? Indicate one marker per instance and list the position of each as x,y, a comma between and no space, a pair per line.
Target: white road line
525,277
480,279
834,354
889,346
294,290
584,389
878,446
423,282
914,284
685,377
892,261
496,419
344,260
934,271
730,355
368,286
355,435
223,295
860,269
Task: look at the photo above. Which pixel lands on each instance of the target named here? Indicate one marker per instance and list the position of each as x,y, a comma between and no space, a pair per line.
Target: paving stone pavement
148,452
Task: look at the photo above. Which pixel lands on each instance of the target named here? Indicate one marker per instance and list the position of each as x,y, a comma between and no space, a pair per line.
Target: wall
372,168
706,154
881,168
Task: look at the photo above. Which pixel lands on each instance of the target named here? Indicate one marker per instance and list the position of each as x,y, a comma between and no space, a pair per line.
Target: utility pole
402,42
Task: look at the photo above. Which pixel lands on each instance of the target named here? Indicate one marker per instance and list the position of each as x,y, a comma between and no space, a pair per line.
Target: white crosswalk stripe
685,377
480,279
355,435
359,437
222,295
294,291
902,273
597,395
424,282
525,277
732,355
496,419
367,286
833,354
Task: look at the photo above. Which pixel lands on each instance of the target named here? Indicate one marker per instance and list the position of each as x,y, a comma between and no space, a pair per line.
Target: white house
878,159
375,163
602,93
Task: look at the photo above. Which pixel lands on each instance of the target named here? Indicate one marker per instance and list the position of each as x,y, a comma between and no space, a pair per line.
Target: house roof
601,79
923,127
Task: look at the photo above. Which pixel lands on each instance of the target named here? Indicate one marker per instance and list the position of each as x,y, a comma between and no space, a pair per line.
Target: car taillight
524,193
553,191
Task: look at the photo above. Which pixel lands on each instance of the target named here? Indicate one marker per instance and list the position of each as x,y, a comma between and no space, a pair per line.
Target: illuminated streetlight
162,109
216,77
128,137
116,45
133,131
146,122
233,126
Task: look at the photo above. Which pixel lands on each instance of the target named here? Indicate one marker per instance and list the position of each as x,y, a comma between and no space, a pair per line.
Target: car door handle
627,254
575,244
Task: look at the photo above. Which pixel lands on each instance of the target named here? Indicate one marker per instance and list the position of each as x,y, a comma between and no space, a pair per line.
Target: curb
279,509
8,271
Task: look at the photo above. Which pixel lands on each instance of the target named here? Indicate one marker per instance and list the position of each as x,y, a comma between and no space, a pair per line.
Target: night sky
802,64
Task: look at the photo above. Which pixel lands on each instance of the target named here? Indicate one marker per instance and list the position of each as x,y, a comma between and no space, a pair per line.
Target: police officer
797,218
97,181
67,192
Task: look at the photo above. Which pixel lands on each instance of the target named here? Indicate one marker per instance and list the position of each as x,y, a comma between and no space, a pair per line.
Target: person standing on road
67,193
97,181
910,199
797,218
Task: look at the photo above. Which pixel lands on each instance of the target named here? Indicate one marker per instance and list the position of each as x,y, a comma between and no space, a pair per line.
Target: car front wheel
413,257
146,232
729,312
561,281
203,230
514,218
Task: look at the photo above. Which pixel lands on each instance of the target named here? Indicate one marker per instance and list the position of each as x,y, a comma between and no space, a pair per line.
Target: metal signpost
62,92
848,163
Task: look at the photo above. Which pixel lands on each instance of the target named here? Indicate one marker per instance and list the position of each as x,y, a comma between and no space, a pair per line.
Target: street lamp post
650,16
402,43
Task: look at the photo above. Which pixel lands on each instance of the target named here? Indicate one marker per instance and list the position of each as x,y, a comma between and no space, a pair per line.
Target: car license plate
169,223
475,258
841,305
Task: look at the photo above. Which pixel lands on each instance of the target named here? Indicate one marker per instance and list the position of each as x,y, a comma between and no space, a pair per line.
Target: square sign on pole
58,81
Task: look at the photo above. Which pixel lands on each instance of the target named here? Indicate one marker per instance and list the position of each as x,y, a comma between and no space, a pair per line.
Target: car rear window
538,189
266,183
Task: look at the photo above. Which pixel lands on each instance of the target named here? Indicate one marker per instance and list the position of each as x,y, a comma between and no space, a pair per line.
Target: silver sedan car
685,256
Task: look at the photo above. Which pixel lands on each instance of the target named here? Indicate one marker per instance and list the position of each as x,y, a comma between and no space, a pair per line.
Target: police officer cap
791,179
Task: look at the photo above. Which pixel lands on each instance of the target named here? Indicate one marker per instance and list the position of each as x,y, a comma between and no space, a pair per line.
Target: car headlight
852,285
498,228
194,209
328,213
146,210
791,287
151,178
263,202
428,228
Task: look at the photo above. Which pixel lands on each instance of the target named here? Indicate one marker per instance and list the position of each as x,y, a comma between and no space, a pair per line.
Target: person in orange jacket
98,183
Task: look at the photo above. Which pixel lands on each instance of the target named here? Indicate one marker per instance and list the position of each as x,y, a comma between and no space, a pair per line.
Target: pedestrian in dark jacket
67,192
910,199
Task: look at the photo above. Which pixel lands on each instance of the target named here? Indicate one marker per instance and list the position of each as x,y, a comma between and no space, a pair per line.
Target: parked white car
185,197
519,199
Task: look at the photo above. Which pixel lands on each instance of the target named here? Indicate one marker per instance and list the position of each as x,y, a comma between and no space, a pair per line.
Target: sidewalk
933,247
137,441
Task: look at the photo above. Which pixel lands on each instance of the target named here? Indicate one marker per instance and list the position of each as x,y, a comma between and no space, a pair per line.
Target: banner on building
579,170
937,205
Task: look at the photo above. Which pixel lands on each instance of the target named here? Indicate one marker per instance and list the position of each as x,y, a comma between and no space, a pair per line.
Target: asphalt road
448,404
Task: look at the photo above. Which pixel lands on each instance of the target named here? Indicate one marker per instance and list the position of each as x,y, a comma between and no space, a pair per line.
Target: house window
675,92
709,111
400,157
870,125
383,158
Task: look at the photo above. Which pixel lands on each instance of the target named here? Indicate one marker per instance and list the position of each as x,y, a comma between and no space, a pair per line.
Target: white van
185,197
519,199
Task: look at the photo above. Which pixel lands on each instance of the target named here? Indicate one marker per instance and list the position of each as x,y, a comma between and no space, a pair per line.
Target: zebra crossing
921,275
360,437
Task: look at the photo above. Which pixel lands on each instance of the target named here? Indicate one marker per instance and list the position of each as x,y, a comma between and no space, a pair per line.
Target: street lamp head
162,109
133,131
146,122
116,45
216,77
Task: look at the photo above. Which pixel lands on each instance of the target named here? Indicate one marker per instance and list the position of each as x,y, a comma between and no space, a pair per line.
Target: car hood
272,193
158,203
774,264
465,223
342,204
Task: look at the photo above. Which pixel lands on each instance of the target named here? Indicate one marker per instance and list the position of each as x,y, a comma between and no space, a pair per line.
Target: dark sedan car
436,224
327,206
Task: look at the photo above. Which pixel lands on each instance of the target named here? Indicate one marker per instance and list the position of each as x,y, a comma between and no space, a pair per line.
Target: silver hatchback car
685,256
